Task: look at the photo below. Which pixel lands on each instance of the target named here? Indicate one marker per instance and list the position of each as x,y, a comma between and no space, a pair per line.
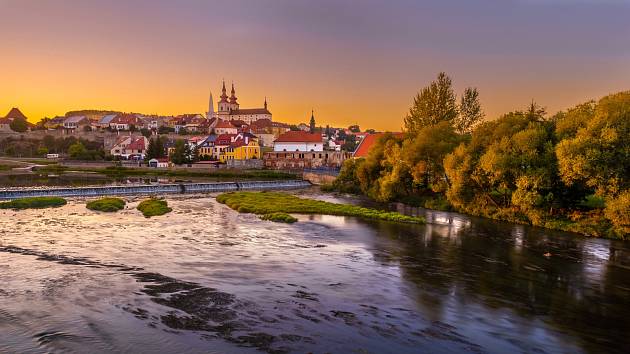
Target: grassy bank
264,203
106,204
154,207
33,203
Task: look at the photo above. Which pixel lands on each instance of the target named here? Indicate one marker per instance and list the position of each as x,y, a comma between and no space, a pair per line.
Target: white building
74,122
224,127
298,141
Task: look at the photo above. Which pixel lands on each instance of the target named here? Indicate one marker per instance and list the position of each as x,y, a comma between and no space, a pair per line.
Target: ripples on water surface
205,279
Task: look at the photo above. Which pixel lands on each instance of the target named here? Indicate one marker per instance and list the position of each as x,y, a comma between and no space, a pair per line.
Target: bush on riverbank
106,204
154,207
279,217
275,202
33,203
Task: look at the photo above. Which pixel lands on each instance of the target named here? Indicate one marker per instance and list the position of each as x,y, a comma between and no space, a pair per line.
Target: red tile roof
15,113
224,139
299,137
137,144
261,123
224,124
366,144
126,118
249,111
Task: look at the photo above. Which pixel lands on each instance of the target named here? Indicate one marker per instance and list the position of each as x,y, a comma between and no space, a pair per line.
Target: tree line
567,171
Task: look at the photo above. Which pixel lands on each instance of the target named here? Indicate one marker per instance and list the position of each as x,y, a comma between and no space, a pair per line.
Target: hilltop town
228,136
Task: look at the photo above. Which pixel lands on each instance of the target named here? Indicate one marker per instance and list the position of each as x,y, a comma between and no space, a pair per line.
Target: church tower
224,105
210,113
233,102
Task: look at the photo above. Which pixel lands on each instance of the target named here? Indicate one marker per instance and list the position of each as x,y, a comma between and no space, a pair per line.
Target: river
205,279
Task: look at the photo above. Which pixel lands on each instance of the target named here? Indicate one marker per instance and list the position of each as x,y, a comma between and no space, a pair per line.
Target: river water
205,279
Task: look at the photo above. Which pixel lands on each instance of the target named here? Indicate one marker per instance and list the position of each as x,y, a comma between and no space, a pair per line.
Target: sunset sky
355,61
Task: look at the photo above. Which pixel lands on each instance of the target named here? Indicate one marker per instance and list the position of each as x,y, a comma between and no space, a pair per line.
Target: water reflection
324,284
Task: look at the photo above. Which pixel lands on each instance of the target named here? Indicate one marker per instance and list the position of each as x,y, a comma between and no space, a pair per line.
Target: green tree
424,154
470,112
354,128
77,150
42,151
599,154
182,153
435,103
151,150
19,125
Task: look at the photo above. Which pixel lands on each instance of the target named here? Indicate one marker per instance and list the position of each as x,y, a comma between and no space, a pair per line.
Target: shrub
106,204
33,203
279,217
154,207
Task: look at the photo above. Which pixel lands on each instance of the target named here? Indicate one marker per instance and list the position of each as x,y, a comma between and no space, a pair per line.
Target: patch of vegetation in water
279,217
33,203
106,204
263,203
154,207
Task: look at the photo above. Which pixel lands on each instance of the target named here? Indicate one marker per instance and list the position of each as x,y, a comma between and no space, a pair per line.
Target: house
5,125
265,138
304,127
244,146
126,121
205,148
54,123
366,143
298,141
225,127
222,143
105,121
130,146
162,162
71,124
14,113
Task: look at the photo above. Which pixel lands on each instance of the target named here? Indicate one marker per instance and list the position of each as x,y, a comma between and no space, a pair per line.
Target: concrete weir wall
152,189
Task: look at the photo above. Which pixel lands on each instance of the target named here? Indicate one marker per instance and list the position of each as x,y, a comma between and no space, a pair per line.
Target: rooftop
366,144
299,137
15,113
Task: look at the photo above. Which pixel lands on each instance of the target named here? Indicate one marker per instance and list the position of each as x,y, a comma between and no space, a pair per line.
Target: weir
151,189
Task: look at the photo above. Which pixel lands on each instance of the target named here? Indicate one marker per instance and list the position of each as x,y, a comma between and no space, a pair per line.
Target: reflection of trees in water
577,289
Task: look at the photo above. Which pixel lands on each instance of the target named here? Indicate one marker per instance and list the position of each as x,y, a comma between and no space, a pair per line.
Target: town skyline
297,55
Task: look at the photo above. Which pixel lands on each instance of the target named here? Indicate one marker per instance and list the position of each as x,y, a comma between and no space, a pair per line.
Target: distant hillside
84,112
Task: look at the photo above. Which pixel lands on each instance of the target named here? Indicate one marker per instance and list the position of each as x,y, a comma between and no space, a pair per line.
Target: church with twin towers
228,108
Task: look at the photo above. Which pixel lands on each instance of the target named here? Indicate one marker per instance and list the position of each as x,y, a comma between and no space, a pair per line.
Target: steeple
265,102
312,122
233,95
210,107
223,94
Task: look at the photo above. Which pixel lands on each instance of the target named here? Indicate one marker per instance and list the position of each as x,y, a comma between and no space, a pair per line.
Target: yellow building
242,149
